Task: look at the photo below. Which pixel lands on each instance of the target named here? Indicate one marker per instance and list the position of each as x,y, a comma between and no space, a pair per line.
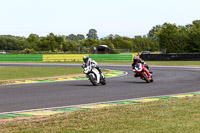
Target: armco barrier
170,57
20,58
111,57
63,57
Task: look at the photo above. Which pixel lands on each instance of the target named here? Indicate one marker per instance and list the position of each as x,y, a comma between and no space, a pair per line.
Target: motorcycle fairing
94,70
138,67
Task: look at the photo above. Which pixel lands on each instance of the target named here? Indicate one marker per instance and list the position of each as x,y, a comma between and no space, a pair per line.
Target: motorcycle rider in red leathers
136,60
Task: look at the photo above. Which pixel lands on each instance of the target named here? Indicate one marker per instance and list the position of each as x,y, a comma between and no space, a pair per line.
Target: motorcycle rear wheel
103,81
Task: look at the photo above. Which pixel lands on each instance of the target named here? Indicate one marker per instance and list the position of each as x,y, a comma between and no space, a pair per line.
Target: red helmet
135,59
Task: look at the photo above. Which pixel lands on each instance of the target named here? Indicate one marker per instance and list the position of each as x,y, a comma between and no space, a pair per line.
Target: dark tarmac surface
167,80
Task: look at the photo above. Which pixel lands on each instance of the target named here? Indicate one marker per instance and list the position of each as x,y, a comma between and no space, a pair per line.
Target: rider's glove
92,65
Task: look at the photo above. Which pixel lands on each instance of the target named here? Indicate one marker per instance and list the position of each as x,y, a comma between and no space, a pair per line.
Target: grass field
22,73
180,115
10,73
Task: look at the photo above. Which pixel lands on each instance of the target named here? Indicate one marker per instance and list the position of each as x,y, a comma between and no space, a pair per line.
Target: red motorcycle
143,72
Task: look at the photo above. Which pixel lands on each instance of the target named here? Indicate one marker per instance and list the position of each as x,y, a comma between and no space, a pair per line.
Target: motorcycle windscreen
138,67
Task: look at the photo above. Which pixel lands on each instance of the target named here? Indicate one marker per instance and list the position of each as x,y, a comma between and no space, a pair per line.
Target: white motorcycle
94,75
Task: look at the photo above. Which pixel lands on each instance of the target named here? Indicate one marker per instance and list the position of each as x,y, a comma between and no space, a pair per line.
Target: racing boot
99,71
148,69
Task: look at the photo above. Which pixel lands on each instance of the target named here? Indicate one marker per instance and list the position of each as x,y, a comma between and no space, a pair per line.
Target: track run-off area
168,80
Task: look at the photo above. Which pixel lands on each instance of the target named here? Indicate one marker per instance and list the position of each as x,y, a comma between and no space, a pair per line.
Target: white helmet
85,58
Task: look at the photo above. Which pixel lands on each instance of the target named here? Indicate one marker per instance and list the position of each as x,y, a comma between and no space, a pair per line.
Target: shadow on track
88,85
138,82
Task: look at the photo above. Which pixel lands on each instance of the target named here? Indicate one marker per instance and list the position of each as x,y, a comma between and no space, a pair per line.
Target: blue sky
122,17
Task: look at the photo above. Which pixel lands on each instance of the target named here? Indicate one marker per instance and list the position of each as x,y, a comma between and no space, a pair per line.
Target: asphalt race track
168,80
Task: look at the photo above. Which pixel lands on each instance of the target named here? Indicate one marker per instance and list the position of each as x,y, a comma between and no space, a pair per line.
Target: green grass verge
22,73
163,116
10,73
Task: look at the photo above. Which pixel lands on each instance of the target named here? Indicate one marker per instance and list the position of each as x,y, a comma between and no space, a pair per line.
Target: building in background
101,49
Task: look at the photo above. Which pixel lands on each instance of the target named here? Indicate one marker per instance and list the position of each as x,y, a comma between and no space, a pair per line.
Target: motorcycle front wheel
151,80
145,78
92,79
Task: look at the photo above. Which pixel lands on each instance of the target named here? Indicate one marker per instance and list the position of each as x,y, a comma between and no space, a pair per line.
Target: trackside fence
170,57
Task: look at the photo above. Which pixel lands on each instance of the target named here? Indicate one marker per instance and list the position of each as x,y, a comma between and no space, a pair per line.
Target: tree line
172,38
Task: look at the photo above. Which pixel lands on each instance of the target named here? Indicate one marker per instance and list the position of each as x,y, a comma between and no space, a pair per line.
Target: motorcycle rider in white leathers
88,61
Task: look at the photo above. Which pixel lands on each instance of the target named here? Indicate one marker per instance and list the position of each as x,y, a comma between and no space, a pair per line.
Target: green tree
90,43
153,33
121,42
33,38
167,37
80,37
11,43
92,34
70,45
182,40
43,44
59,42
194,37
173,38
48,43
72,37
77,38
32,42
139,44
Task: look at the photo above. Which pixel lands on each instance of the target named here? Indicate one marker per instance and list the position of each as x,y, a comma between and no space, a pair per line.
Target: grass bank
171,115
8,74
